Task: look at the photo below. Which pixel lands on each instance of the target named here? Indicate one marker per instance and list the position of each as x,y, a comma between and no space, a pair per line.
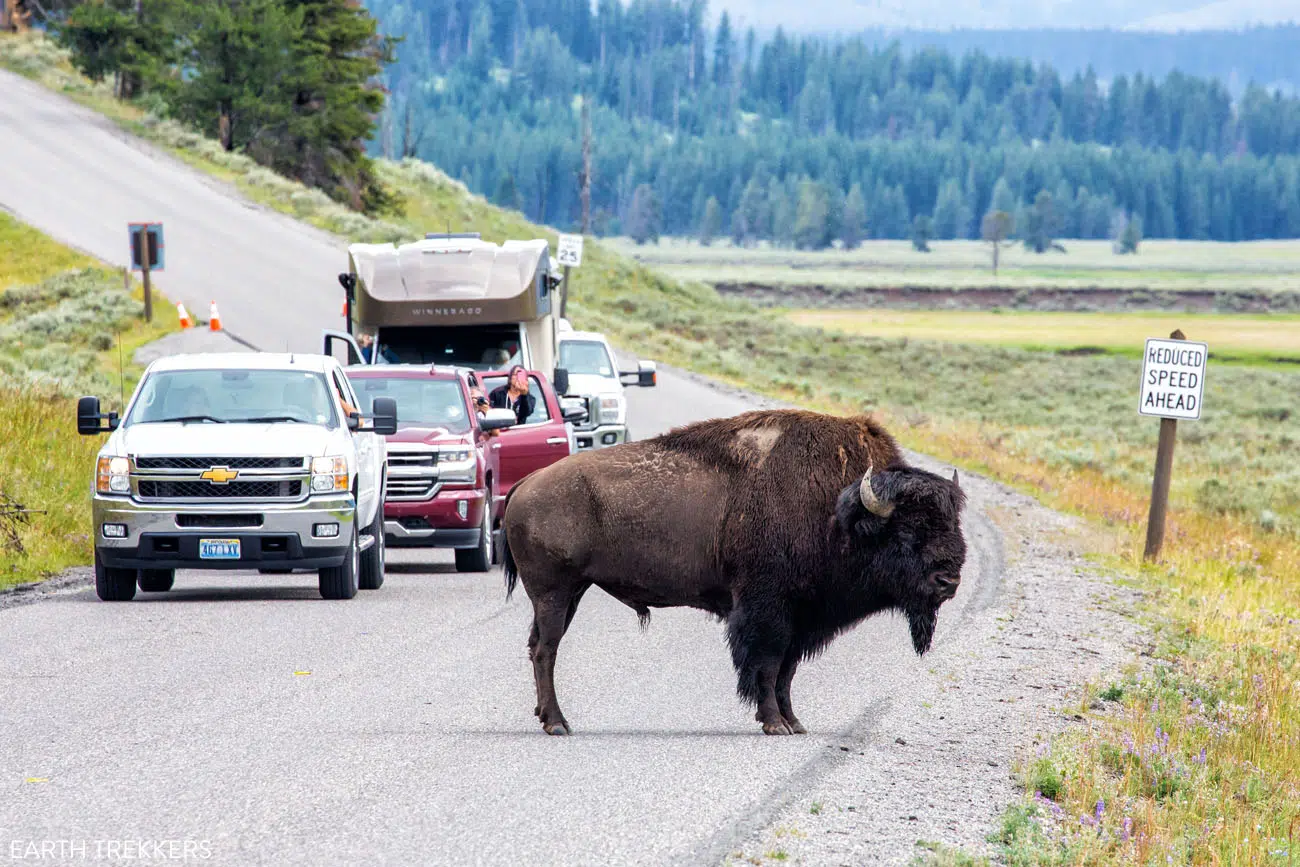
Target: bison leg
551,618
783,680
758,648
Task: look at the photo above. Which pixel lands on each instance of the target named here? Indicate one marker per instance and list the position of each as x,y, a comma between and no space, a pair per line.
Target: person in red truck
513,395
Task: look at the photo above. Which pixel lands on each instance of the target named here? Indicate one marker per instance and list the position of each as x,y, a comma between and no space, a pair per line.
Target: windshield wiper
269,419
182,419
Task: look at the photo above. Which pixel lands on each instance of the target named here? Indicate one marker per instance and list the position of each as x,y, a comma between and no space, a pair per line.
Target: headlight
457,465
610,409
113,476
329,474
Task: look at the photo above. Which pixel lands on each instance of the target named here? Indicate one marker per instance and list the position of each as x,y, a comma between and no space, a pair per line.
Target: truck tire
114,585
156,580
478,559
372,559
340,582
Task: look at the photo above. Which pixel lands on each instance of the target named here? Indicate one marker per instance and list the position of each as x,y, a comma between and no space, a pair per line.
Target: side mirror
497,419
574,409
89,418
644,373
385,416
561,381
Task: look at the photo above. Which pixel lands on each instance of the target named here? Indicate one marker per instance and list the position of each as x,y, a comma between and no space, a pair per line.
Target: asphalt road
246,717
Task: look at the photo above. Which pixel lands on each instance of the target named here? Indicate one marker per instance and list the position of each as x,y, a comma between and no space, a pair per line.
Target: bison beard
790,526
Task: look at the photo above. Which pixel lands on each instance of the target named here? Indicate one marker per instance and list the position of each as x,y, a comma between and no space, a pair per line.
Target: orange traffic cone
214,318
187,321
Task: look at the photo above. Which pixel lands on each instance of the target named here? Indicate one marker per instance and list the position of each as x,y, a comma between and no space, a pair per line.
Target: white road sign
1173,378
570,250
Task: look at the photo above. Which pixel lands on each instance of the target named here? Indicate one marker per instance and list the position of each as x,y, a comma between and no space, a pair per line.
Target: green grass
1257,339
62,315
1159,265
30,256
1064,428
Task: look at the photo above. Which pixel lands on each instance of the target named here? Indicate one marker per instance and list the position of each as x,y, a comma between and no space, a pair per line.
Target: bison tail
511,568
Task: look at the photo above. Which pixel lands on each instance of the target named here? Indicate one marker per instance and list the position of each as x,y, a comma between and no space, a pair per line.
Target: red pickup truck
450,467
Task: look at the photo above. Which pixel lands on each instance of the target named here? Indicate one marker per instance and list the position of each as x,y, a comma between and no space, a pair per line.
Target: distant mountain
844,16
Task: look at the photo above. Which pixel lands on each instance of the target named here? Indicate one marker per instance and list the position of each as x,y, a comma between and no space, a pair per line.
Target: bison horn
870,501
954,477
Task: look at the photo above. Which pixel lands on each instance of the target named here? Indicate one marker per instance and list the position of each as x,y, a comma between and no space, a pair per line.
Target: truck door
539,442
342,348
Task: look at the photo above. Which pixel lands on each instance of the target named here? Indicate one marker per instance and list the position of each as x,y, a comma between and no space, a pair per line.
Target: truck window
541,413
586,357
483,347
424,403
233,396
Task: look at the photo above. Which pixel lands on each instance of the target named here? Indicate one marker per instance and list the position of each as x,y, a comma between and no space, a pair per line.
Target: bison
790,526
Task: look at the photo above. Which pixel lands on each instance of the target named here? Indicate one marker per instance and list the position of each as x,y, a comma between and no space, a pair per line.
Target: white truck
239,461
592,366
455,299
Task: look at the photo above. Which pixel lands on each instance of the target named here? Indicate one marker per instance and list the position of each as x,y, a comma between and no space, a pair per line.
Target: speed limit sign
570,251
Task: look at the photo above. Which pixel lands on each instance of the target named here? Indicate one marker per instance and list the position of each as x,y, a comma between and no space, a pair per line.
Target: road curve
246,716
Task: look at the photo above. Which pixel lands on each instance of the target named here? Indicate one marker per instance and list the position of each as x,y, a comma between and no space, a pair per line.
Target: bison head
903,529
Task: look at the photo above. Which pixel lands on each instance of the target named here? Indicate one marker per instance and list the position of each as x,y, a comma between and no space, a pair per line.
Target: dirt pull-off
1008,298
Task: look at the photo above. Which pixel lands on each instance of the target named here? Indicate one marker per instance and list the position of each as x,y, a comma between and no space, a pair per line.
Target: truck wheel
478,559
372,560
156,580
340,582
114,585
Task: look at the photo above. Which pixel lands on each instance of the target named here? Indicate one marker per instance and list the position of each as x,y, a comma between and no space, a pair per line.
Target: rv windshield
487,347
586,357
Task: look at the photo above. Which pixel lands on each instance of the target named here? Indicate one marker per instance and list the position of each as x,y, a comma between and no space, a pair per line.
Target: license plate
219,549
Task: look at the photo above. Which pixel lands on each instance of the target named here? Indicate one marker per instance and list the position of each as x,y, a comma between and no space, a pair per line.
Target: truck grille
410,488
175,463
163,490
412,459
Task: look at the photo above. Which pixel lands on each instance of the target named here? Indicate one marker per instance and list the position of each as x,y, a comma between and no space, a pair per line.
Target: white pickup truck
239,461
592,368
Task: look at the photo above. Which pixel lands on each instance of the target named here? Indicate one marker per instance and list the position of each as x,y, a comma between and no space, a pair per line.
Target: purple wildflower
1197,704
1128,830
1200,760
1101,808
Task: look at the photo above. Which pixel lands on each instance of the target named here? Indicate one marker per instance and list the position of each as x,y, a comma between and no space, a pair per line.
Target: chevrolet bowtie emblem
219,475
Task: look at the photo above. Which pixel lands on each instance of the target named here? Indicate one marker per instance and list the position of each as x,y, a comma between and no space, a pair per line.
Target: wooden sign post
146,255
1173,383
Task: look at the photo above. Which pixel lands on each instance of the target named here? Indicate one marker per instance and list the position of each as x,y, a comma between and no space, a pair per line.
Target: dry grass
1160,264
1244,337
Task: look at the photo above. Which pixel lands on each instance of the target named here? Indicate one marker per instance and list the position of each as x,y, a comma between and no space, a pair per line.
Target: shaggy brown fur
756,519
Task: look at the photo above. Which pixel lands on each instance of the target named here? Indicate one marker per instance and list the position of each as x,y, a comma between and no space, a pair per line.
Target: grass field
1257,339
1196,761
62,315
1159,264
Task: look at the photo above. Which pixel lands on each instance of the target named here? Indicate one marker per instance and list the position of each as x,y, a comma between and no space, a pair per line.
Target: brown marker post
1160,484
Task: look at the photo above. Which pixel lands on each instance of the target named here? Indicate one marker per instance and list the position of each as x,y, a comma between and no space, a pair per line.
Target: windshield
481,347
420,402
586,356
229,396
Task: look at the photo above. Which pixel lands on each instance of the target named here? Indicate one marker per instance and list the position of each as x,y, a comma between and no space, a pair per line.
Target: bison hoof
796,727
558,728
777,728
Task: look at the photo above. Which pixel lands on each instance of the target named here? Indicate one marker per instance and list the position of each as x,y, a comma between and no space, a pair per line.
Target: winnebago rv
452,300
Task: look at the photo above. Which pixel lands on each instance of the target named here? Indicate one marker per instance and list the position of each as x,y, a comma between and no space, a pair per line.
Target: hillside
855,138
